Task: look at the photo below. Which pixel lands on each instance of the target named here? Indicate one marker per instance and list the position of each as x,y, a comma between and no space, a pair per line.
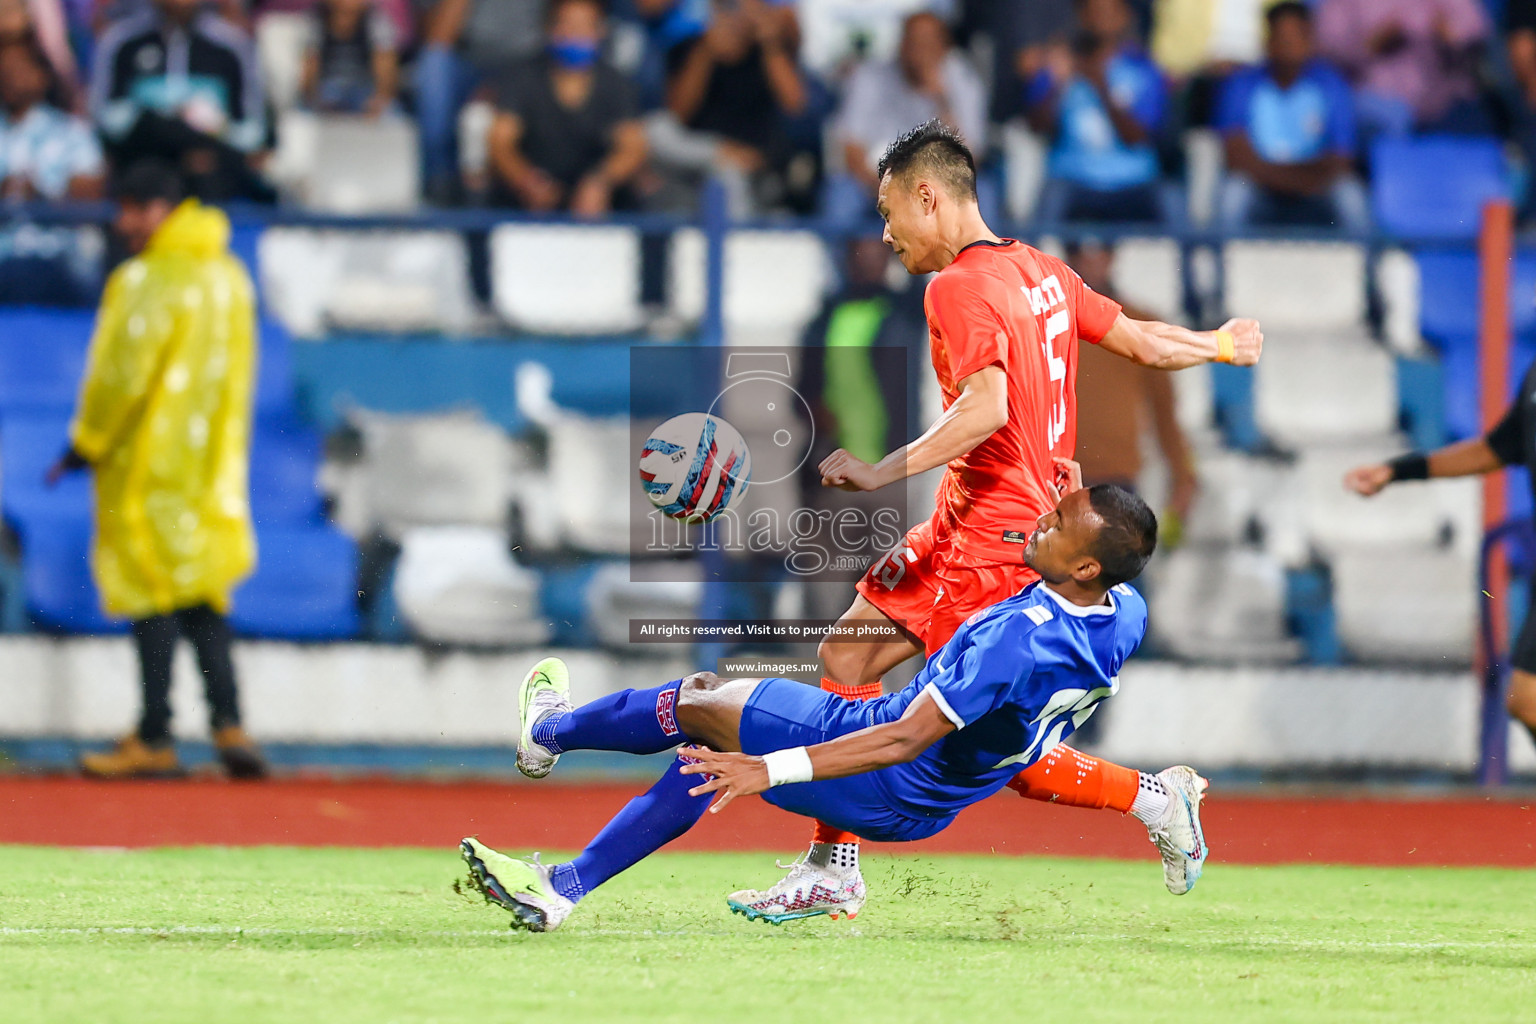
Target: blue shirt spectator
1103,104
45,153
1289,129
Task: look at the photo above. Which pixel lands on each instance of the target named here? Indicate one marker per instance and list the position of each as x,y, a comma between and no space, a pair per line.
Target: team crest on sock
666,711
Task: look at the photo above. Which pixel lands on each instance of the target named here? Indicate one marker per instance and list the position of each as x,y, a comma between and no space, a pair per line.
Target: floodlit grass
273,934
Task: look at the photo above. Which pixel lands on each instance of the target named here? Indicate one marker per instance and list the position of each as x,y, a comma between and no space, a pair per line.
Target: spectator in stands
730,92
1520,30
1103,106
44,152
1413,63
1289,130
180,84
567,133
882,99
839,35
1027,36
350,61
1118,402
163,422
1198,43
465,44
43,23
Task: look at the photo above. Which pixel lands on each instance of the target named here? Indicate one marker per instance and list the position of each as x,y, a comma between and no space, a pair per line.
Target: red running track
1242,829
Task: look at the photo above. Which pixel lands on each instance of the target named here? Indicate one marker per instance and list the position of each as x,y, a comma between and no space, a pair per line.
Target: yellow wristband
1226,346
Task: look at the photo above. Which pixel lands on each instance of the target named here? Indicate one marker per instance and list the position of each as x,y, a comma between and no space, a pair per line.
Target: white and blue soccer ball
695,467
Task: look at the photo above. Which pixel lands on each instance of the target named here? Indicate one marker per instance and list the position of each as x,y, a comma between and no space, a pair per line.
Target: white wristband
793,764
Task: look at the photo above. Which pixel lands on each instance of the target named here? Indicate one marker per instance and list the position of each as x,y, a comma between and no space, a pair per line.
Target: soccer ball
694,467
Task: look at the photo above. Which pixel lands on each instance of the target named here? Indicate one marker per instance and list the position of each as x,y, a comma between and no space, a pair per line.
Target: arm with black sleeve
1502,446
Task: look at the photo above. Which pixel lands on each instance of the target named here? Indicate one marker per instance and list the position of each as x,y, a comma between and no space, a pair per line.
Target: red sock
825,833
1071,777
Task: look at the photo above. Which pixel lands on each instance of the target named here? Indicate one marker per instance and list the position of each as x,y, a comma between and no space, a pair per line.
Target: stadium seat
1204,165
1411,515
1436,186
432,470
1448,293
304,586
614,597
364,165
42,357
285,464
1221,605
591,480
1297,286
774,281
280,42
459,585
55,563
567,280
1310,389
380,281
1406,604
1148,273
29,445
274,369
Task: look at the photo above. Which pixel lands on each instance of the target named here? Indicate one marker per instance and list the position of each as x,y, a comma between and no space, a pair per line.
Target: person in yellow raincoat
164,422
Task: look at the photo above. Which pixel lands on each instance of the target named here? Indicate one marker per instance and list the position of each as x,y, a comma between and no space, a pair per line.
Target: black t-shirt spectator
739,103
566,143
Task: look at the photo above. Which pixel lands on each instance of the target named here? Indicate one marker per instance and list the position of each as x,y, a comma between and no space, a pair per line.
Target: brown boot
132,758
241,757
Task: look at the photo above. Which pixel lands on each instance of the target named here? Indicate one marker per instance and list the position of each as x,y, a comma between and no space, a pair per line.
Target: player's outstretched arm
974,416
1464,458
1171,347
867,750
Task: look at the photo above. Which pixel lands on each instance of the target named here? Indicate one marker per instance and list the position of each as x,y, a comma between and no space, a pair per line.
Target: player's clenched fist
1368,480
1247,340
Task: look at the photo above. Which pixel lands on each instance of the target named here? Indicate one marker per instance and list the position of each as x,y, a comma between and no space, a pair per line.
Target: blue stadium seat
1448,293
55,563
1435,186
304,587
285,457
42,357
1459,371
274,368
29,444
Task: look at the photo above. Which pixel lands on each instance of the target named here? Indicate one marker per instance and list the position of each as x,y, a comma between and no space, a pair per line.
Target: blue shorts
783,713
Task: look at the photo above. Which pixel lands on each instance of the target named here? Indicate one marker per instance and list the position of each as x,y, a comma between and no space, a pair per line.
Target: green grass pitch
334,936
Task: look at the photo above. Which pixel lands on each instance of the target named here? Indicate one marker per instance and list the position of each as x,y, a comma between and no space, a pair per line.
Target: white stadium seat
1406,604
365,165
1311,389
1148,273
1397,280
1297,286
1408,515
1204,164
431,470
387,281
567,280
280,39
459,585
774,281
619,592
1221,605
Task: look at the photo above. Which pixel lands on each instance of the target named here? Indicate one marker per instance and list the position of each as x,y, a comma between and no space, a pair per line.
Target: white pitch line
374,933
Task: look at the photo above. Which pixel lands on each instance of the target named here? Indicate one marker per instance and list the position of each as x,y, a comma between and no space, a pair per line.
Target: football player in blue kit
1014,681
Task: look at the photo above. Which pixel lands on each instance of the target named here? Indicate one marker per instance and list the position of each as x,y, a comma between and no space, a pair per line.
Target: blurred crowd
587,106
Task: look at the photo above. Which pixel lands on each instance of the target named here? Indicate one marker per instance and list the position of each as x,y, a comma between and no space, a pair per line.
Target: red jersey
1009,305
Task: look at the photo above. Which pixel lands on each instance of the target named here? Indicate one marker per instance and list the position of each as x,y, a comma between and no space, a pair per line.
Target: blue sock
634,721
645,825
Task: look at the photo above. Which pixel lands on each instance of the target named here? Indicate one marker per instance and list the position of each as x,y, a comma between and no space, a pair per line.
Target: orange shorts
930,588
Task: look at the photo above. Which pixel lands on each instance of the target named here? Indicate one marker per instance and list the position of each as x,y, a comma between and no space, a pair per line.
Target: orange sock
1071,777
825,833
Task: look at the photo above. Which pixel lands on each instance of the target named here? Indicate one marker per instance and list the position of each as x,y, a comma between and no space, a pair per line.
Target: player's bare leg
826,879
1522,699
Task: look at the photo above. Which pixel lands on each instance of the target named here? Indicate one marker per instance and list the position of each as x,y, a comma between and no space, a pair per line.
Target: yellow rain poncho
165,418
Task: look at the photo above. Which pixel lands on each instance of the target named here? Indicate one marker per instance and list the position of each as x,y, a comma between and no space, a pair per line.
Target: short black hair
935,147
1287,9
148,180
1128,537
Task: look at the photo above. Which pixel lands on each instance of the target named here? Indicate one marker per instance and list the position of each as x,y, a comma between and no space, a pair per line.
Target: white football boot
1177,834
546,690
807,891
521,886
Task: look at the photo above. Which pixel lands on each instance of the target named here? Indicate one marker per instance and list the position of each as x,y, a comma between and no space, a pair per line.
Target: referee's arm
1501,447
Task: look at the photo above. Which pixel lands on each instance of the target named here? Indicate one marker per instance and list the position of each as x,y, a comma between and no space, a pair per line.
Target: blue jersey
1016,679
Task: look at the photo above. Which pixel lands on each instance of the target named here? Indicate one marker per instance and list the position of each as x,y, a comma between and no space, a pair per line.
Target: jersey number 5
1041,299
